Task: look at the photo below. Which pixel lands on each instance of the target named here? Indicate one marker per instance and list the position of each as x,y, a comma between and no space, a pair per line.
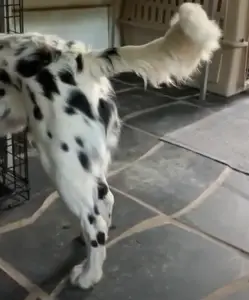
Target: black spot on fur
70,44
96,210
19,84
116,125
1,47
2,92
31,95
67,77
70,110
84,160
49,134
105,110
37,113
4,77
56,54
102,190
79,101
27,129
48,83
79,141
64,147
101,238
16,87
32,64
20,50
109,54
79,62
4,63
94,244
91,219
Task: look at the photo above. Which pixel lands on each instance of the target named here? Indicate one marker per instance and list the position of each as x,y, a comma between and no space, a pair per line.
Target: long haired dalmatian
61,92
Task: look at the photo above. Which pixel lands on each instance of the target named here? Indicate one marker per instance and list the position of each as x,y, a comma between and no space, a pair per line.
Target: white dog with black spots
60,92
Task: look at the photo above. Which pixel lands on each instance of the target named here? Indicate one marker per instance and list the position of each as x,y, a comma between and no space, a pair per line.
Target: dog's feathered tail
191,39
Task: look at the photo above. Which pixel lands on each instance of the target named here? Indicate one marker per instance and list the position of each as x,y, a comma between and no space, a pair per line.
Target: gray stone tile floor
181,220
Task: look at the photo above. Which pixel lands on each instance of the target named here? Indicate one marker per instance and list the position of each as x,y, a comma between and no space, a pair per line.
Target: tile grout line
22,280
142,203
146,154
203,196
130,88
208,236
151,151
124,82
149,223
156,91
117,171
33,198
229,289
58,289
183,98
180,98
131,116
30,220
143,131
196,105
147,110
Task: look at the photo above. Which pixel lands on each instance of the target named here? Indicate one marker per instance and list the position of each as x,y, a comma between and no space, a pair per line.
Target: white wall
87,25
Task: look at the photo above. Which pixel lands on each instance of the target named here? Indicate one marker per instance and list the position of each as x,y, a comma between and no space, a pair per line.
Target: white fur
191,39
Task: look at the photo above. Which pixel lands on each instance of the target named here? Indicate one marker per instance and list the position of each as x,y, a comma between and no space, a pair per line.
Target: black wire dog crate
14,183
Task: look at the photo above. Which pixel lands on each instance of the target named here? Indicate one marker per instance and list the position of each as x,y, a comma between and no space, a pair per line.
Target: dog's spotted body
74,129
60,91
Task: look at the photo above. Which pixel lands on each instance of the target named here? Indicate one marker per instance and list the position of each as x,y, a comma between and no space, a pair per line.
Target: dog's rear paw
84,277
75,273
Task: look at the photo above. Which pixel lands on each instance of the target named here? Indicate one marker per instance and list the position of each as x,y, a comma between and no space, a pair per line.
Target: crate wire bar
14,183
